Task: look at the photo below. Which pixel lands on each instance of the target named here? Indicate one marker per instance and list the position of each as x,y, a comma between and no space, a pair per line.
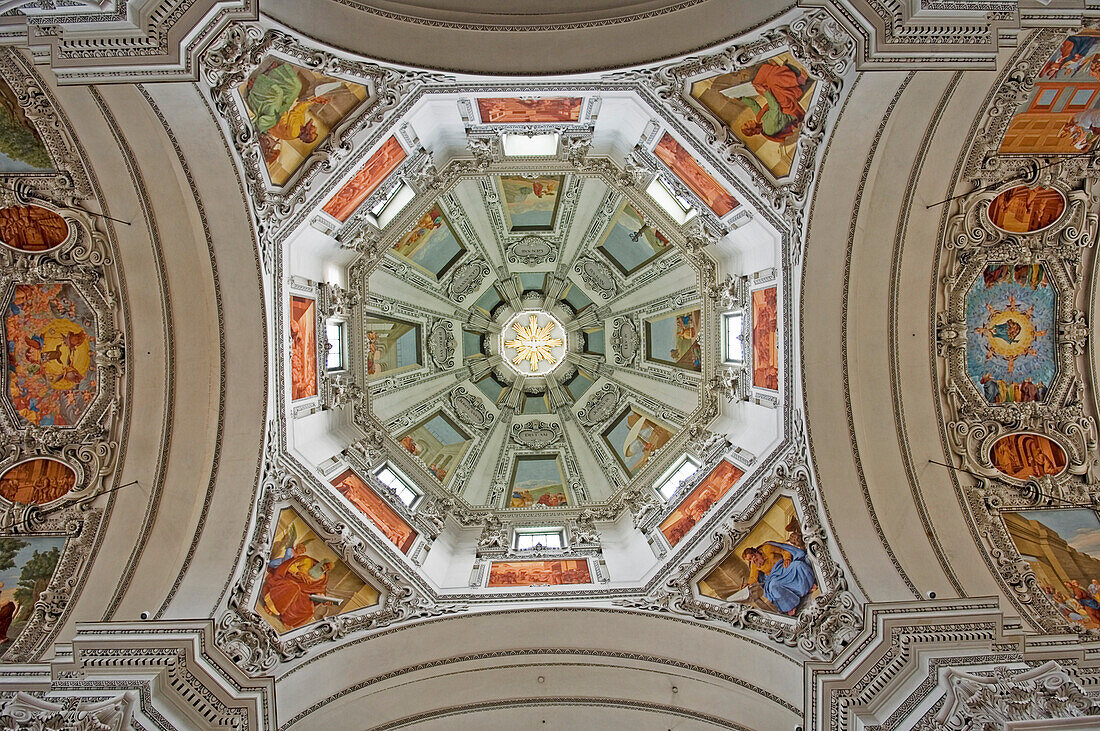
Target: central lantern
533,342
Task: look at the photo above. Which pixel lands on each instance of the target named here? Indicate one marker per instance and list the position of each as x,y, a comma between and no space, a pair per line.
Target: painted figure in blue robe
784,571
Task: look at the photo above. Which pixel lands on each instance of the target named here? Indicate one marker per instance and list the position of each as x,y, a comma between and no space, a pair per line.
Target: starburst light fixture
534,342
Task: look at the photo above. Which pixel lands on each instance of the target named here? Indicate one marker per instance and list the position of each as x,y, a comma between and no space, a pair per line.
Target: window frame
341,345
726,317
670,474
527,531
405,482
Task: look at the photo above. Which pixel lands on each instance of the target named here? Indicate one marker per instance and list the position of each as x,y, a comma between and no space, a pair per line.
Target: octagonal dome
654,285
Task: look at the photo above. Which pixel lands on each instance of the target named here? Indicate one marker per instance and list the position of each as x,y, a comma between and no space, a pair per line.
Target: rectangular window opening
334,332
685,469
672,204
530,145
399,484
396,203
735,348
527,539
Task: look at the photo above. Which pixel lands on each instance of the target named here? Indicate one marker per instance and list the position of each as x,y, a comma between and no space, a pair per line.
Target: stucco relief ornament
466,279
583,531
23,711
597,275
536,434
469,409
441,344
601,406
992,702
532,250
625,341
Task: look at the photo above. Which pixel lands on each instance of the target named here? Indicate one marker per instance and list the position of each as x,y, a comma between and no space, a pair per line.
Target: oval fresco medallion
37,481
32,229
1023,456
1025,210
51,352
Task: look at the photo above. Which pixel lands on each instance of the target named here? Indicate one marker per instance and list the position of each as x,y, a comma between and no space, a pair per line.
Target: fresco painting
691,173
530,203
392,346
293,109
431,244
539,573
21,147
674,340
352,194
630,242
1062,547
33,229
303,347
1023,210
765,338
377,510
305,580
51,349
769,568
37,481
510,110
27,563
439,442
1025,456
634,437
763,105
1062,113
1010,333
537,482
699,501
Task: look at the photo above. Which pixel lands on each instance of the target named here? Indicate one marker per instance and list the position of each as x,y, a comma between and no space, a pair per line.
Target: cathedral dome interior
651,364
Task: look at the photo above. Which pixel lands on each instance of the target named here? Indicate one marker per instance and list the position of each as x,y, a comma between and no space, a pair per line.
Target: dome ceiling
446,311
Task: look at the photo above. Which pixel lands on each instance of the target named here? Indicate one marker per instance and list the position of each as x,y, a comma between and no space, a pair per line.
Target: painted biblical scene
634,436
27,564
1062,547
1010,333
393,346
431,245
1024,210
303,347
37,481
1062,113
377,510
539,573
530,204
305,580
51,350
674,340
352,194
693,507
1025,456
510,110
769,569
631,242
439,442
21,147
763,105
537,482
32,229
691,173
765,338
293,110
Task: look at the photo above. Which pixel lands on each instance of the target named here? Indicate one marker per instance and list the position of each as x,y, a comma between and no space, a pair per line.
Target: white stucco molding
162,674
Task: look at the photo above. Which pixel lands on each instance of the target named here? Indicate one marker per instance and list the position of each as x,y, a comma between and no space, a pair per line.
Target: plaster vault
700,365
